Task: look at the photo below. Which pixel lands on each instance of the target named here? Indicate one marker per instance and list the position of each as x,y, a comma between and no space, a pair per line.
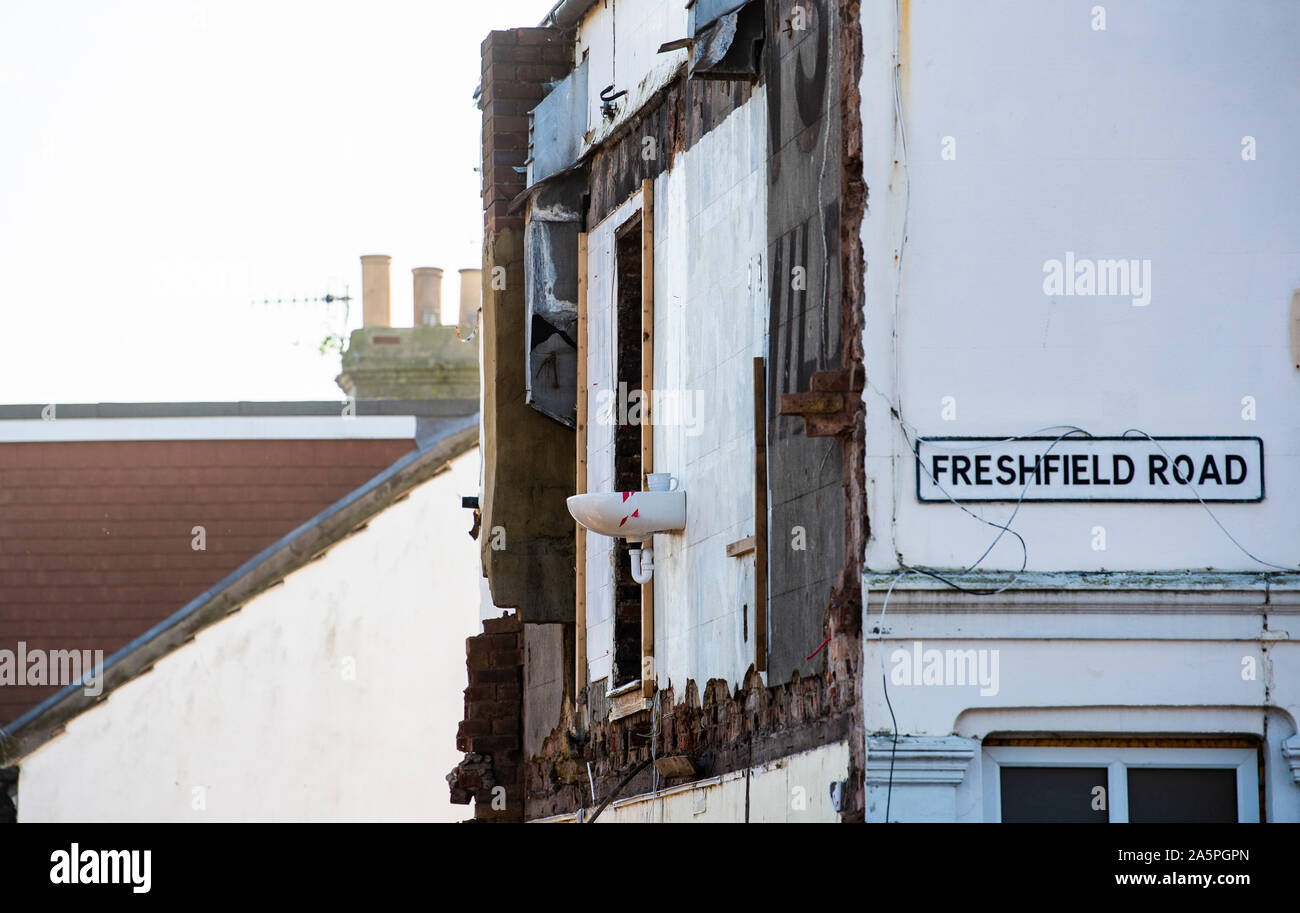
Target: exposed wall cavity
729,46
551,271
627,446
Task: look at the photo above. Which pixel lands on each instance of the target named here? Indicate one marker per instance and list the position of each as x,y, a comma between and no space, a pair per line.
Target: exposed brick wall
718,730
491,734
518,64
844,620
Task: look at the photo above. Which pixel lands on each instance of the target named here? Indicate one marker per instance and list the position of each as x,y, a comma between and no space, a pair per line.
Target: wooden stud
580,483
760,515
741,546
647,418
674,767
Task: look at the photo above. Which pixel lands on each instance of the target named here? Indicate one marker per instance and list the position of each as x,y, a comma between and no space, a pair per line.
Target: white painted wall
792,790
1126,143
1122,142
256,709
710,322
1169,663
621,40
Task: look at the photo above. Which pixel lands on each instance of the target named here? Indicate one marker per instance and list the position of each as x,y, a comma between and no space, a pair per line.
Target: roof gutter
567,14
269,567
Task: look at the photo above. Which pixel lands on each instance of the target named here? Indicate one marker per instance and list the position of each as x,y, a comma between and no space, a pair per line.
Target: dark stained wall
529,459
804,474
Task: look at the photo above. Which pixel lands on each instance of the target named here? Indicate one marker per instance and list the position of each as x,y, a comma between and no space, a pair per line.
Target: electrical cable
618,789
1245,551
654,751
880,655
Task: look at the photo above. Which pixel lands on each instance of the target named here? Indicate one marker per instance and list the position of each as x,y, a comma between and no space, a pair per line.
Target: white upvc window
1119,785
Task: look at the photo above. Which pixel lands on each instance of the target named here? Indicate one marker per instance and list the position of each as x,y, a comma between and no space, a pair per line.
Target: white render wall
256,710
1122,143
710,323
621,39
791,790
1116,143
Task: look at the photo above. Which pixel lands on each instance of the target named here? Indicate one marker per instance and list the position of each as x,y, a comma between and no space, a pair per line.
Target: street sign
1137,469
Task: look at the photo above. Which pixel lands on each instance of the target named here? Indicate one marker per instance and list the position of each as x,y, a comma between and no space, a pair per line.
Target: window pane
1038,794
1182,795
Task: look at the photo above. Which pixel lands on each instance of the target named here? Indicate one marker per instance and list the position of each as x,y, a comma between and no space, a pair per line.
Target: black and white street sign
966,469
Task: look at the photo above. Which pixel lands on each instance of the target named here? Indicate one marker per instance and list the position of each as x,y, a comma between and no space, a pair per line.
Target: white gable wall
256,719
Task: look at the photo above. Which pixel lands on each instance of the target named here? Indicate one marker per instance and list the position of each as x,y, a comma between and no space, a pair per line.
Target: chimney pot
428,296
471,298
376,308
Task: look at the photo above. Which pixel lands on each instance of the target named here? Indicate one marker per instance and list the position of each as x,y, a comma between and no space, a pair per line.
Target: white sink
631,515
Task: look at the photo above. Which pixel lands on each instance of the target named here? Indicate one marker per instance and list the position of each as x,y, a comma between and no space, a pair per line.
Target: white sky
165,163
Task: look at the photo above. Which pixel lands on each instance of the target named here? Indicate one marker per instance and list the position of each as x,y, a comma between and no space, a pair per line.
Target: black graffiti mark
810,90
796,350
773,63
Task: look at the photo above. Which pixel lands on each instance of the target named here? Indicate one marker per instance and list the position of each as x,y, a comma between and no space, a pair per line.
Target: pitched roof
445,440
100,509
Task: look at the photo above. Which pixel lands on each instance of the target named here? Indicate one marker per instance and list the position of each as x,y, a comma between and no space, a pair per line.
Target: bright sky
166,163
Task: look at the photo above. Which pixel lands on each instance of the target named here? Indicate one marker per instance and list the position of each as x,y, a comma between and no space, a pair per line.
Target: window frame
1117,761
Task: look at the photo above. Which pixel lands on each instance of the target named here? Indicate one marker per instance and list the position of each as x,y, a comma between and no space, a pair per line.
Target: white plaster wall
621,40
793,790
257,712
710,323
1118,143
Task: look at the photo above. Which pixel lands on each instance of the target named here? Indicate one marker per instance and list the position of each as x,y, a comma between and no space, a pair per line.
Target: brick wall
518,64
491,734
718,729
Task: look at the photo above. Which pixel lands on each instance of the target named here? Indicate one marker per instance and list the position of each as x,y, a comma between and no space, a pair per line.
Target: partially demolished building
698,491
